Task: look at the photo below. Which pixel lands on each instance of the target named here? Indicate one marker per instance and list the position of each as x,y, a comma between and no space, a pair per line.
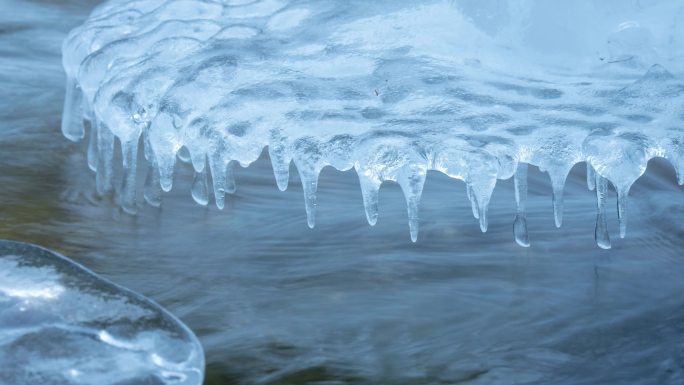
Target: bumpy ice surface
61,324
477,90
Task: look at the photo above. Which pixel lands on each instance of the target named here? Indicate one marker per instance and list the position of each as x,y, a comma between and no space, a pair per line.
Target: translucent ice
61,324
474,89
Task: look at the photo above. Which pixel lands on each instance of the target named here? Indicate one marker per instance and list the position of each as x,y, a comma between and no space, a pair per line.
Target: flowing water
274,302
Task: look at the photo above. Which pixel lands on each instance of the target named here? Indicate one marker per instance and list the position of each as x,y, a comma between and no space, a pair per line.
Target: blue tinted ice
473,89
62,324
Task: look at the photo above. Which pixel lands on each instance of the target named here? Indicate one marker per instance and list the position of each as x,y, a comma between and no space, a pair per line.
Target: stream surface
274,302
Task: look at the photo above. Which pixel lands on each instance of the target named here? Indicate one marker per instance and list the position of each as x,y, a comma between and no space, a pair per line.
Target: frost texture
474,89
61,324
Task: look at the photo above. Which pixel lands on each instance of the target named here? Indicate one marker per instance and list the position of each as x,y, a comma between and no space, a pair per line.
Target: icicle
105,148
520,223
92,149
482,216
480,193
369,191
558,184
129,151
223,178
473,201
591,177
412,186
153,190
165,161
309,178
166,177
601,233
72,115
622,194
412,208
218,178
281,167
200,188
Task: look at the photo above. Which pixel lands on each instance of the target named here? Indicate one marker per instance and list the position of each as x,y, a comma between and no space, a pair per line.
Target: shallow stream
274,302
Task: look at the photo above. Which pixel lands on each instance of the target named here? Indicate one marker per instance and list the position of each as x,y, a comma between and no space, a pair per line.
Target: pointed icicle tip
480,193
282,177
413,229
412,186
200,188
601,236
72,115
473,201
622,195
223,179
130,163
520,231
220,201
166,162
281,168
309,180
520,224
558,207
166,180
412,208
601,233
219,184
92,149
370,203
369,191
483,218
105,159
558,177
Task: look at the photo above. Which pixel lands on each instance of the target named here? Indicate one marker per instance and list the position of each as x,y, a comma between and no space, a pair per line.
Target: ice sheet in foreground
62,324
476,90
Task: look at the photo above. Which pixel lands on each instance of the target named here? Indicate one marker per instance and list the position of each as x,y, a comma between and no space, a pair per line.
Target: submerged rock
62,324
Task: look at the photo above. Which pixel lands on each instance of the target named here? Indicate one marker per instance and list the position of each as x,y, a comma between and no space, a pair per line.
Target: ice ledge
392,92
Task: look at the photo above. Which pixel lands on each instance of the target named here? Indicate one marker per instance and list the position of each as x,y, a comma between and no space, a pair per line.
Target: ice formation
476,90
61,324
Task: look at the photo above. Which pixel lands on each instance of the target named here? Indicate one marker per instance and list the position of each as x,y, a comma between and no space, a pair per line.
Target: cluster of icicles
190,80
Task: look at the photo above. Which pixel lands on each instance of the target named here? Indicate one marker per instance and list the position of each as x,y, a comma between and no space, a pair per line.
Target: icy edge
409,166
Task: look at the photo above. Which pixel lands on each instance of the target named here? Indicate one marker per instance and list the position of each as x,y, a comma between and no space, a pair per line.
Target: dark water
276,303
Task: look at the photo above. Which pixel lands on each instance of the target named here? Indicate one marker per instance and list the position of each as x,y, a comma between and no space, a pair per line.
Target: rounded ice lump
62,324
476,90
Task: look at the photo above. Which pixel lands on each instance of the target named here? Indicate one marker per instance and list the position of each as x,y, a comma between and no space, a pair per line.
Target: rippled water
276,303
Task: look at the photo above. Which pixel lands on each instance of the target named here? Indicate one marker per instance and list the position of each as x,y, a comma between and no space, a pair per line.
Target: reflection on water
276,303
